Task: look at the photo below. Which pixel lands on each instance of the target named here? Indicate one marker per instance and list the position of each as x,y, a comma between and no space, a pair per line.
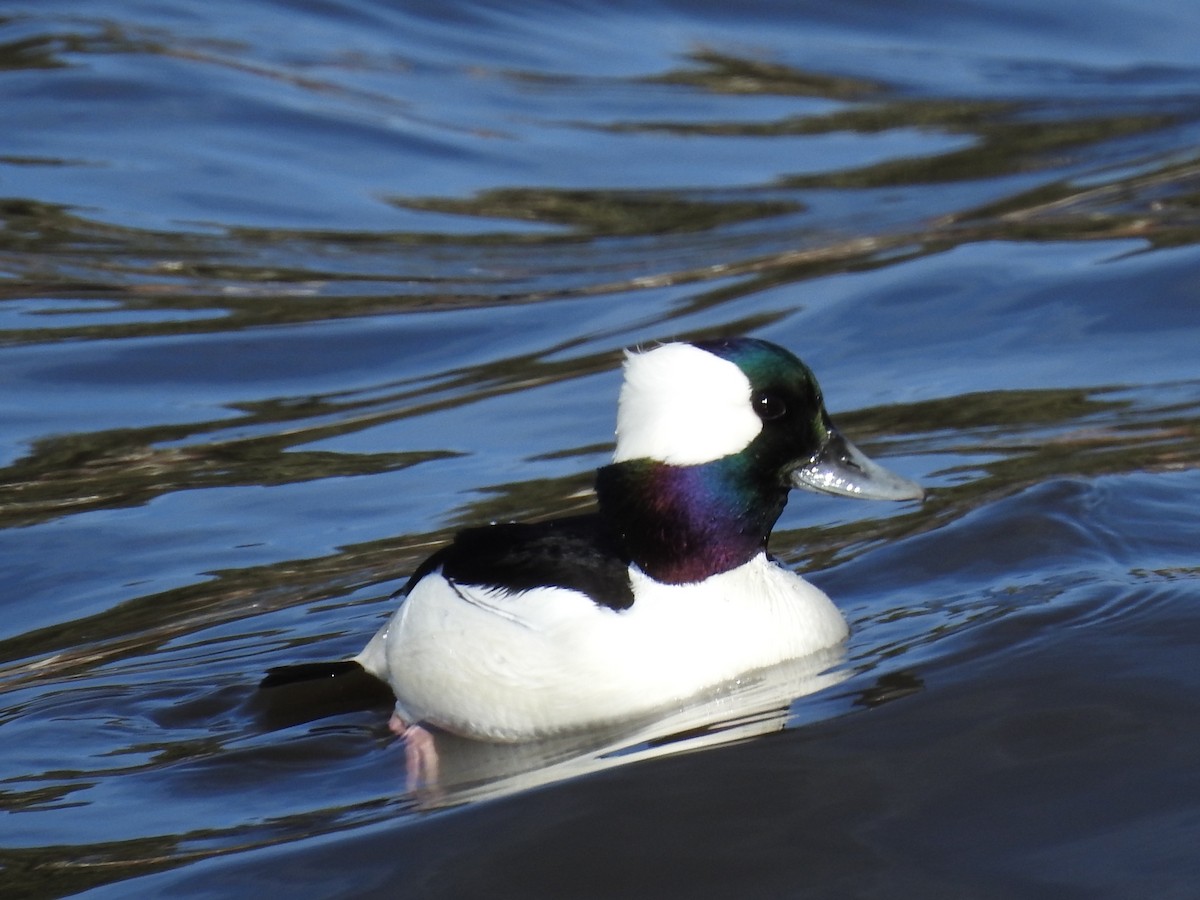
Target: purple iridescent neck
681,524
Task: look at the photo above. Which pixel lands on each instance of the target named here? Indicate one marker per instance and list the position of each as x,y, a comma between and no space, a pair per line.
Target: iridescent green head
711,436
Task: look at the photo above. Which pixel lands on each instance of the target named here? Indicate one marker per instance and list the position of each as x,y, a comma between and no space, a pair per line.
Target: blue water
290,291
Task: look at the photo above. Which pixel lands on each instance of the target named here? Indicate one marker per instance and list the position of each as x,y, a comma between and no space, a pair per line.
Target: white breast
487,664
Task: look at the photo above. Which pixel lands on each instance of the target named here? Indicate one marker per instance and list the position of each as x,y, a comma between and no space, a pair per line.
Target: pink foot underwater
420,753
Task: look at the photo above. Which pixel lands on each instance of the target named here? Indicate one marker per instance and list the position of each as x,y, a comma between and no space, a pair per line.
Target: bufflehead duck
516,632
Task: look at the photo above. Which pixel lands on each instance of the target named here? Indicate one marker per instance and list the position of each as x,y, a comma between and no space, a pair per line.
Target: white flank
684,406
488,665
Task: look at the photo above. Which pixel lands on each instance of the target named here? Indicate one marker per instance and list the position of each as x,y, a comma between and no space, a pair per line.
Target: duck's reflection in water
465,771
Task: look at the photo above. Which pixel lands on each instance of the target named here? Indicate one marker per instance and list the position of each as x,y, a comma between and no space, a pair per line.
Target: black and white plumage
520,631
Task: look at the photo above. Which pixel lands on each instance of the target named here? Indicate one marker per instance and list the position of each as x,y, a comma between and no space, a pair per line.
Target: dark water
289,291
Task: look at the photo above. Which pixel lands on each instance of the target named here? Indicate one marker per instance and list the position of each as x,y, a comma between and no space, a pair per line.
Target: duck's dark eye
768,405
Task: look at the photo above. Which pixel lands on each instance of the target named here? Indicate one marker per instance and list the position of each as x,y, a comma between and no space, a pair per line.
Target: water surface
289,292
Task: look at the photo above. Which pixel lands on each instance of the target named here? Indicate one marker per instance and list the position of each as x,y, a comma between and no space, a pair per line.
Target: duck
515,632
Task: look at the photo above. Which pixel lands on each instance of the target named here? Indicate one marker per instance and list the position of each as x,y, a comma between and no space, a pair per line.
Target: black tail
281,675
291,695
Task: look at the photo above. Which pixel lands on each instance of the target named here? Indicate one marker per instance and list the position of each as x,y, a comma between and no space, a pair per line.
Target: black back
578,553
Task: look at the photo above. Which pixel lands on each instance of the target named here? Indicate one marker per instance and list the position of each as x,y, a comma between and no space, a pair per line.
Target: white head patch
684,406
